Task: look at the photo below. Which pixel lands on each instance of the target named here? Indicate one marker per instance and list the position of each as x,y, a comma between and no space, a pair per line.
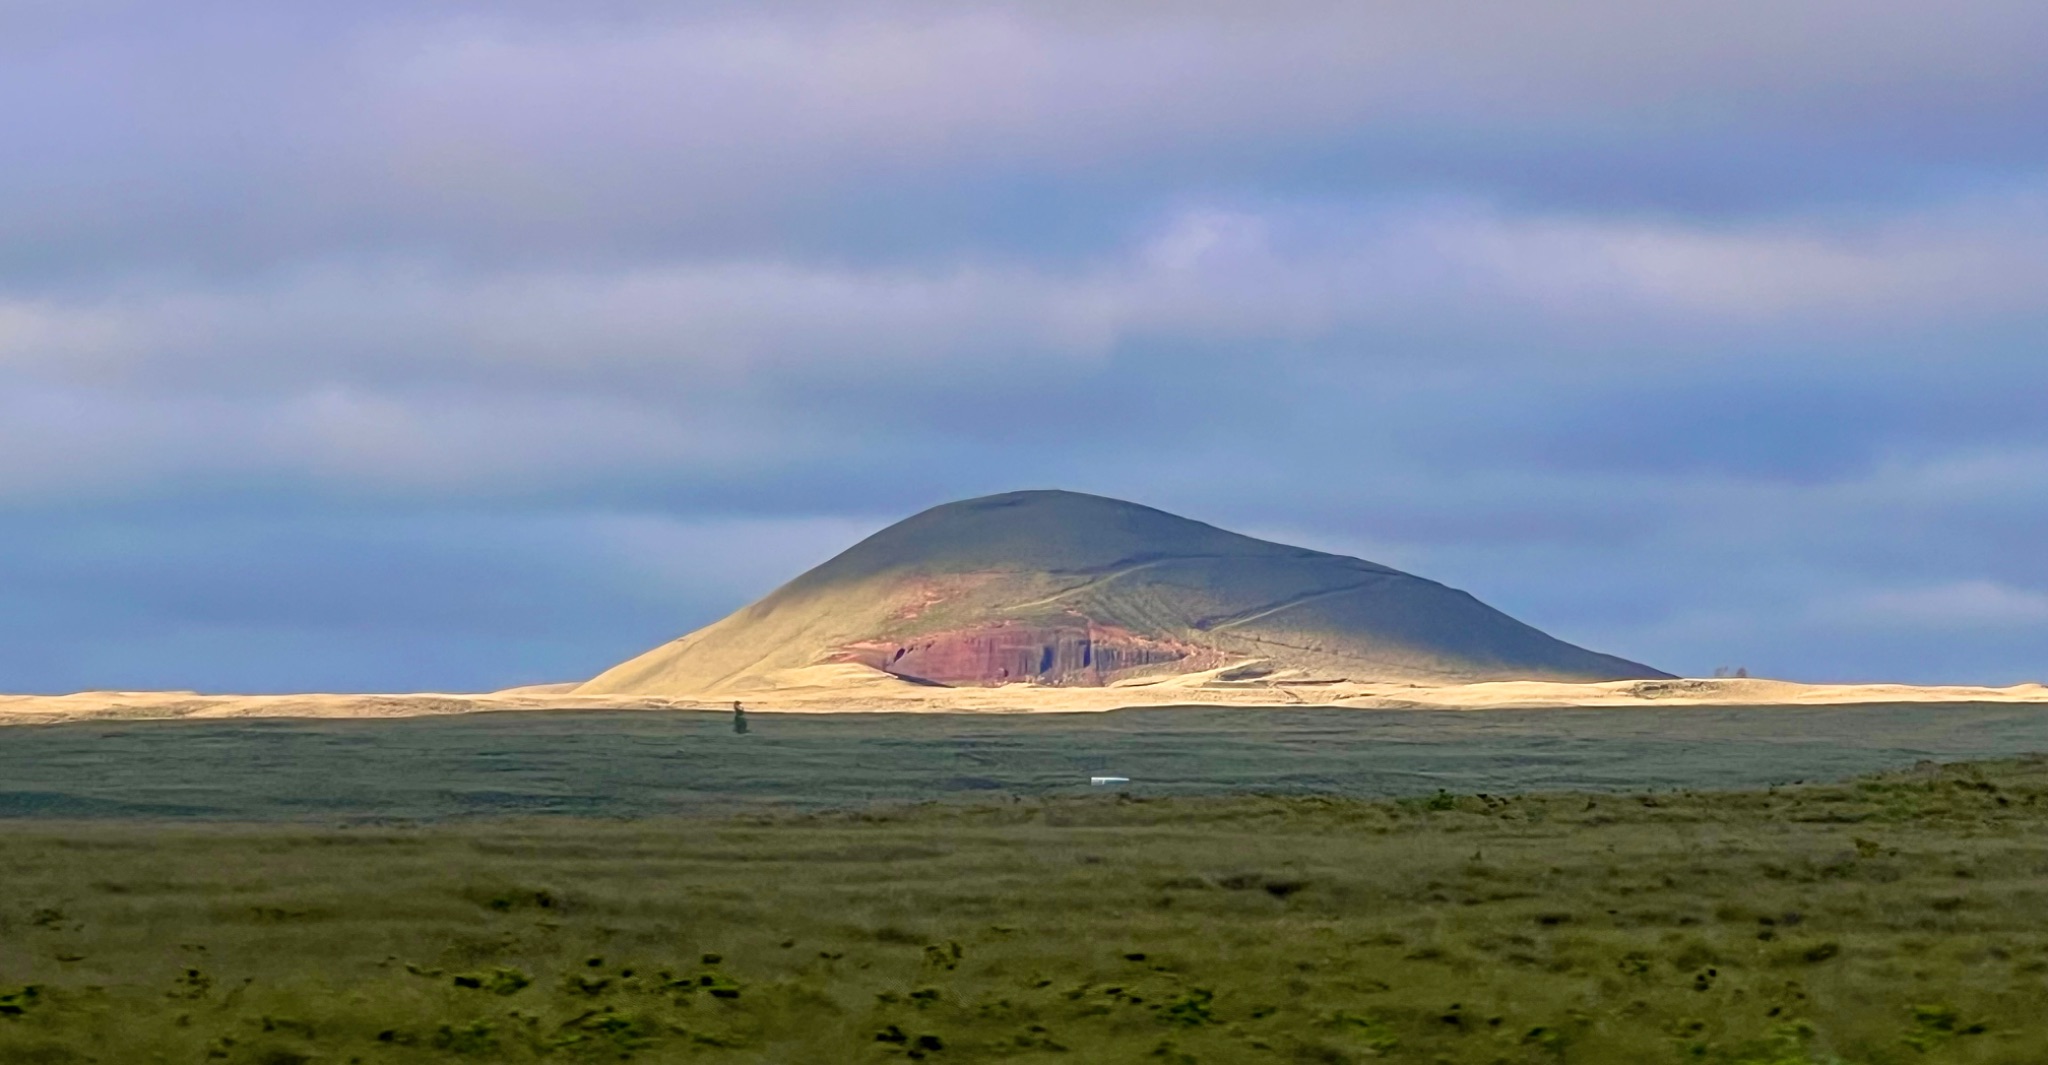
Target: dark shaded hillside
1068,589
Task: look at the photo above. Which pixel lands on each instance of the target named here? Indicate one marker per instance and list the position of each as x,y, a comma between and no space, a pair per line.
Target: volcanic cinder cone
1059,588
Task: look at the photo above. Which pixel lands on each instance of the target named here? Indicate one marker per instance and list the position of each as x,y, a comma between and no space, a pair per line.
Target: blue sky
378,346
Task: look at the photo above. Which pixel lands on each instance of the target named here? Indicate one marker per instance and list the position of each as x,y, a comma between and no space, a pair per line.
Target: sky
377,346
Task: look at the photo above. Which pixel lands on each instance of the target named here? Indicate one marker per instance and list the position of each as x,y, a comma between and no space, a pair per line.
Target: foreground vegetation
1892,919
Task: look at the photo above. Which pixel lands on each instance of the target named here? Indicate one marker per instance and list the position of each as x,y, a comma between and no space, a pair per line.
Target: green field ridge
1892,919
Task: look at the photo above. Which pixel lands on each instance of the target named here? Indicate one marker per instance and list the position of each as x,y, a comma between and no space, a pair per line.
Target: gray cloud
230,136
376,345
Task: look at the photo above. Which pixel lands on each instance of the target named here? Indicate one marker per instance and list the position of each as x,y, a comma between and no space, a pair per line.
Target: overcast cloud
388,345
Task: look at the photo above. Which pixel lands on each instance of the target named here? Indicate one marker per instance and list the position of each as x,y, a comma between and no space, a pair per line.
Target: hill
1060,588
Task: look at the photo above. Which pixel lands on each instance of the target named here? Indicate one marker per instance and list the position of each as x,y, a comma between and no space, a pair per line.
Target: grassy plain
1891,919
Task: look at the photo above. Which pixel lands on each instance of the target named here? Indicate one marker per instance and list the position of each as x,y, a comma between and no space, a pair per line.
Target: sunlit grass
1894,919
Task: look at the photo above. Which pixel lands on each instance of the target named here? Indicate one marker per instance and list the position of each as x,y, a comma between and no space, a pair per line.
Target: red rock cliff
1079,653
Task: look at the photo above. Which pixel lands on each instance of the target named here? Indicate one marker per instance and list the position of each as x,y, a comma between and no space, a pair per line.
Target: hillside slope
1061,588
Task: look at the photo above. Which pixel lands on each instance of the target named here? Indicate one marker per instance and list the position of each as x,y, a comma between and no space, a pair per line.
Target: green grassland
1892,919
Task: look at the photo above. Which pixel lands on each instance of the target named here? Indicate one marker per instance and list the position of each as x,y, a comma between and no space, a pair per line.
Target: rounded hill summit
1061,588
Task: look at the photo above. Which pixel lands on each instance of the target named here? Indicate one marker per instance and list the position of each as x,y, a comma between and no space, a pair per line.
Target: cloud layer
380,346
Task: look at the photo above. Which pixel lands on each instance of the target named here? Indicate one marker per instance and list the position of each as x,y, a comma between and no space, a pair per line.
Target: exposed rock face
1074,653
1058,588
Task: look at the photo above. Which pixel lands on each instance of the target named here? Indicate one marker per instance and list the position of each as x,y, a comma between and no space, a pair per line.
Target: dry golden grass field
1891,919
